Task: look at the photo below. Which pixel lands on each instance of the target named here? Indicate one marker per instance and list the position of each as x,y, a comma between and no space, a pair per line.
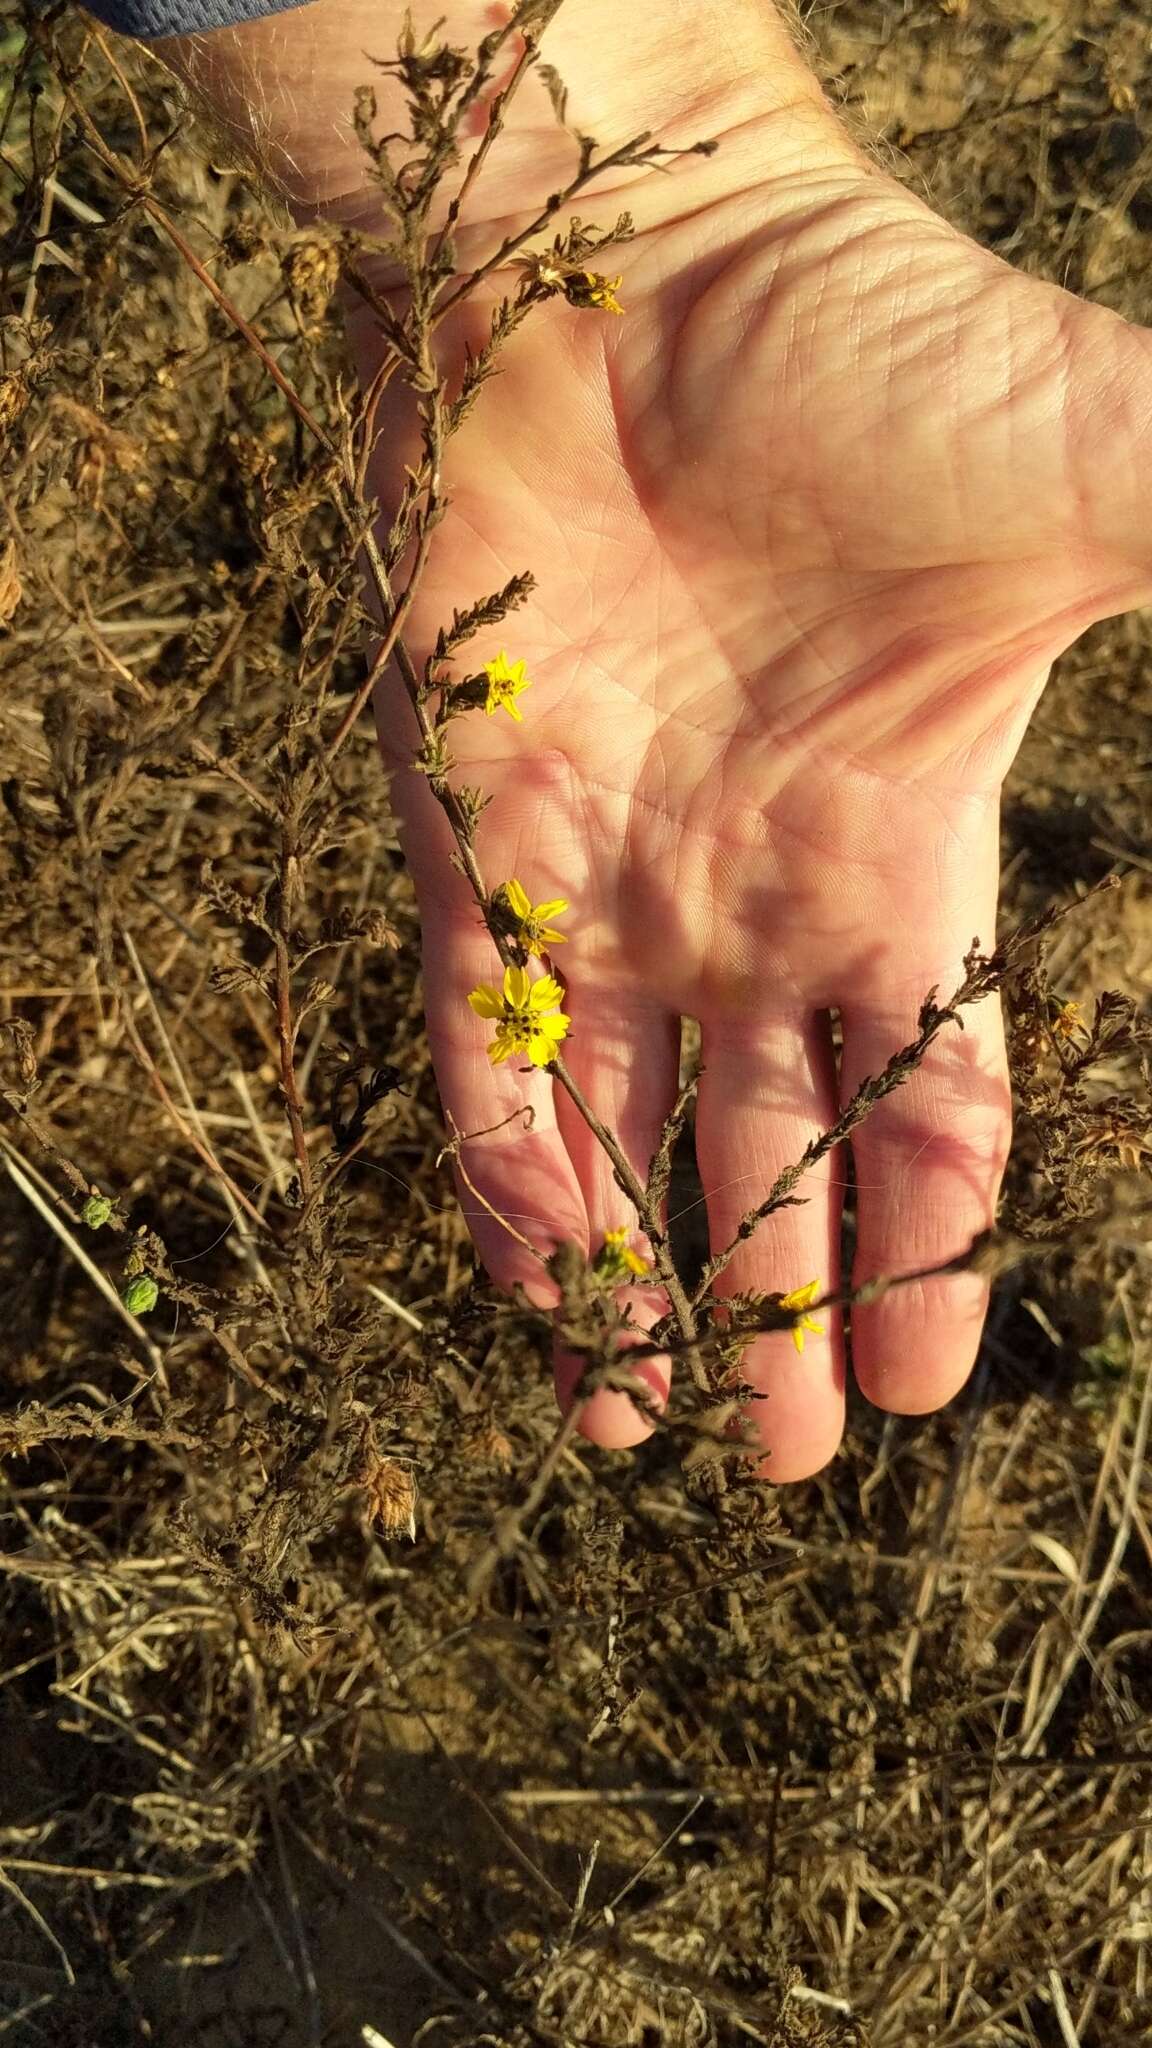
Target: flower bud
140,1295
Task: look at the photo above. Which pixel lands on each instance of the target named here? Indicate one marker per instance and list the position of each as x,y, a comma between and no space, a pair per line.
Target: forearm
283,85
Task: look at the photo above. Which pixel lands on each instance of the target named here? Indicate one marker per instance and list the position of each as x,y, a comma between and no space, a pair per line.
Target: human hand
808,525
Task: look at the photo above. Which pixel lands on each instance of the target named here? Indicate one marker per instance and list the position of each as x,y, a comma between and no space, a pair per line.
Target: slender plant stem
869,1092
286,1041
496,113
543,219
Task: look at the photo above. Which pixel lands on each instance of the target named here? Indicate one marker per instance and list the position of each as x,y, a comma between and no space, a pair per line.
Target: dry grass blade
1082,1627
9,1885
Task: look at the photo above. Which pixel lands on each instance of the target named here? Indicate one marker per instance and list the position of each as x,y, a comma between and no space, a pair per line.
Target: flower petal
546,994
517,987
487,1001
517,899
801,1297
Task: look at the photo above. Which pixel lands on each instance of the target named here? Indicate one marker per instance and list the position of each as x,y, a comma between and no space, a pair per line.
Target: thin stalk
870,1091
286,1044
496,113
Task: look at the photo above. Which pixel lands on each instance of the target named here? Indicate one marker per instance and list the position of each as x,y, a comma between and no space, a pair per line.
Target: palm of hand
808,527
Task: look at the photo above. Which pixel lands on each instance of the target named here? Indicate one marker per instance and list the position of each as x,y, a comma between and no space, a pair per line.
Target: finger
765,1091
516,1184
928,1165
623,1054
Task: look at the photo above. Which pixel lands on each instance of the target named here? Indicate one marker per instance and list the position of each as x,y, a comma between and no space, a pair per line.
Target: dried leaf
557,91
11,588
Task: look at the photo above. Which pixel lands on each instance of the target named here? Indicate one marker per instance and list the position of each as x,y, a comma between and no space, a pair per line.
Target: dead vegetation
597,1760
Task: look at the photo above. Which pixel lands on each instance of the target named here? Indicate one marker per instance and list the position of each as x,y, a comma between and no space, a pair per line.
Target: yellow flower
535,930
592,288
506,682
800,1298
525,1015
616,1259
1069,1019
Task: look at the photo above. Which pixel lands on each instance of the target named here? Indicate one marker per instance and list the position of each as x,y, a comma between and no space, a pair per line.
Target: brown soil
867,1761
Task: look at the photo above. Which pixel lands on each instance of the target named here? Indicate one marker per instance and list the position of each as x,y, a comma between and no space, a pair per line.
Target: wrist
282,88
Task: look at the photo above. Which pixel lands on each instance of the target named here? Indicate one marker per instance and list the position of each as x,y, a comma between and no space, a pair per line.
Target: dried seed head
379,932
392,1495
310,269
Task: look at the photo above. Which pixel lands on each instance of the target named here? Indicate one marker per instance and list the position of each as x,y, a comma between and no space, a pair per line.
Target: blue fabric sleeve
181,17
